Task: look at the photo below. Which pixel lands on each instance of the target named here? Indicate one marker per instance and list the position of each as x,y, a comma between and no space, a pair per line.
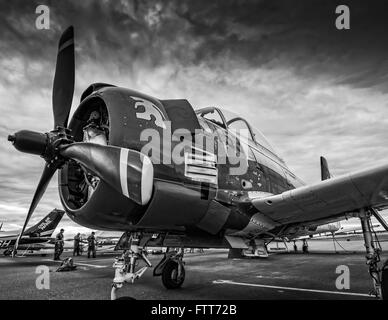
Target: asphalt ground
209,275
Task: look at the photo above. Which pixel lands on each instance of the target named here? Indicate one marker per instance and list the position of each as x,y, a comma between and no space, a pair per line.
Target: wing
329,198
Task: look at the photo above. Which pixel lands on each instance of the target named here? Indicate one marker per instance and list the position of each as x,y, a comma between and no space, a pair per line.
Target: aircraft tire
170,273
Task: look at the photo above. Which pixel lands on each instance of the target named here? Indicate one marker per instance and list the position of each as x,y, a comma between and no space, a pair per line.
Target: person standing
59,242
92,245
305,247
77,240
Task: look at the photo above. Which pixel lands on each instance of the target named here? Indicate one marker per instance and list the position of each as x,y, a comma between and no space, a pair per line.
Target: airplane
38,234
171,176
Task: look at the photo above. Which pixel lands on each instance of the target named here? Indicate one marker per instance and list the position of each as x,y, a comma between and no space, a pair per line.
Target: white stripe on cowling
123,171
147,179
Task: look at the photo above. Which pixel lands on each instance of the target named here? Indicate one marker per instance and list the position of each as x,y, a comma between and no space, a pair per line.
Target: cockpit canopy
235,124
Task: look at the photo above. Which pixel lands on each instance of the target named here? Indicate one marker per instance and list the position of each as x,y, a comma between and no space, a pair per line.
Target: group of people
59,244
305,246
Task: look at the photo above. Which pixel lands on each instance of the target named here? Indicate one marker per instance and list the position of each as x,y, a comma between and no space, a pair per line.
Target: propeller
128,171
36,143
63,87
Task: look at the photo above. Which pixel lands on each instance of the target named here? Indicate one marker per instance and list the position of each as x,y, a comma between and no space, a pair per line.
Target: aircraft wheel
170,277
7,253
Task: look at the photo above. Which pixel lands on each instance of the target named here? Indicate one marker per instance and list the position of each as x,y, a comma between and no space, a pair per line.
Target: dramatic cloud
312,89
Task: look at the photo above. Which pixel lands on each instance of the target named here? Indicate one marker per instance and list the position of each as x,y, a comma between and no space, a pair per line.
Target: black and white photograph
193,150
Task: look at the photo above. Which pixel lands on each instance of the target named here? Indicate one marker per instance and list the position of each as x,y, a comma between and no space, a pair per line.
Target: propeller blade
128,171
63,87
47,174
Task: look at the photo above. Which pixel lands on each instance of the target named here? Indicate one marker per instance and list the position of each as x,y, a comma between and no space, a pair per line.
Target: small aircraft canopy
234,123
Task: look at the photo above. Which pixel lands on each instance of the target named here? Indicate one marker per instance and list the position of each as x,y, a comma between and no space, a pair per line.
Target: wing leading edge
329,198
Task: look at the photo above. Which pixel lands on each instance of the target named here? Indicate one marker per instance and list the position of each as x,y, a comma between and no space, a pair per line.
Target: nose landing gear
126,264
170,268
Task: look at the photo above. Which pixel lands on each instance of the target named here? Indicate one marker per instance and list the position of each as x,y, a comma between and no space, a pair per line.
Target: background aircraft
107,183
37,234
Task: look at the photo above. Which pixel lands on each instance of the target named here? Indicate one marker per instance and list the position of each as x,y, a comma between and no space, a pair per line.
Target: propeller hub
29,141
11,138
45,145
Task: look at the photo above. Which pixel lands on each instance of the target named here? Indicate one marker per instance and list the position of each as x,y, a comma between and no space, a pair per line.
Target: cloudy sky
312,89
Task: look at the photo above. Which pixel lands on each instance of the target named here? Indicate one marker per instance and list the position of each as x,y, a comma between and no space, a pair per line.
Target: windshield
239,127
212,114
235,121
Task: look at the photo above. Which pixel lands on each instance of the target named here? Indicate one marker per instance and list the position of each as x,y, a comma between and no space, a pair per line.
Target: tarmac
209,275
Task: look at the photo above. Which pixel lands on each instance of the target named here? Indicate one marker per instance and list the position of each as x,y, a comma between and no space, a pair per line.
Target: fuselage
205,173
8,239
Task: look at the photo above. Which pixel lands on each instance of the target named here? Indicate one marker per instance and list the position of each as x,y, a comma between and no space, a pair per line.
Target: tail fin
325,173
47,225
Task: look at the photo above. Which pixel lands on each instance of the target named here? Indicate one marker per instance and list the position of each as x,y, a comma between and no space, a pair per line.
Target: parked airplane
37,234
214,181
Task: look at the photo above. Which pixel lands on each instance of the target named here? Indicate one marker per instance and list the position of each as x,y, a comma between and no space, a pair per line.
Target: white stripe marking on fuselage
123,171
289,288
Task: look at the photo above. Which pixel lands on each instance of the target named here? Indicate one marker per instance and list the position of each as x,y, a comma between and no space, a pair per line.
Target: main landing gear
379,274
171,267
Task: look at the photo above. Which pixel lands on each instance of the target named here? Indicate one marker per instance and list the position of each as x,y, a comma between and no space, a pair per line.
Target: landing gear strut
126,264
379,275
172,269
